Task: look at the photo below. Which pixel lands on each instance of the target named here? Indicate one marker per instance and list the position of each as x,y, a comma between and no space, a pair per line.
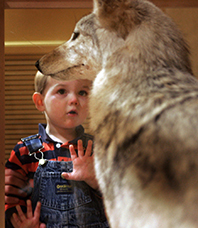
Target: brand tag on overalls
63,188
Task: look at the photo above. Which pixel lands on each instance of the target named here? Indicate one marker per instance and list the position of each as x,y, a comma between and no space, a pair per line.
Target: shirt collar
47,139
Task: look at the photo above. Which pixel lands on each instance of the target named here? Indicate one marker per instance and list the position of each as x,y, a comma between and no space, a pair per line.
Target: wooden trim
50,4
175,3
2,120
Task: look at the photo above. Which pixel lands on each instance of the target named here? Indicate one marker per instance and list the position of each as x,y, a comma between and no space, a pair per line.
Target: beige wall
187,20
57,25
39,25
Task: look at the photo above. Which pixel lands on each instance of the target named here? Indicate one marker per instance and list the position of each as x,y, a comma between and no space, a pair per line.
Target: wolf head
148,38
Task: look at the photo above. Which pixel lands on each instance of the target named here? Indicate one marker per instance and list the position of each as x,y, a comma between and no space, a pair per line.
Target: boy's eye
83,93
61,91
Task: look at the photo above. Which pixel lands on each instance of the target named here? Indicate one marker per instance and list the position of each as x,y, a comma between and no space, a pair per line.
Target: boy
64,203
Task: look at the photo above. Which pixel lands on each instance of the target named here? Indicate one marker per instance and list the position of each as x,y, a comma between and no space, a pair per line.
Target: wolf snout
38,66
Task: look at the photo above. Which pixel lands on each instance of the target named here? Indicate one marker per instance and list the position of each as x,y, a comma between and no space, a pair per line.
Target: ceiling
11,4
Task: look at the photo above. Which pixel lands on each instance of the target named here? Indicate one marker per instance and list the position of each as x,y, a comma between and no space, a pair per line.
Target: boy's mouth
72,112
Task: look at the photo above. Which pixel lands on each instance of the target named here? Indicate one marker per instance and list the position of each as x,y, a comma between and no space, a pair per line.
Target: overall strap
33,143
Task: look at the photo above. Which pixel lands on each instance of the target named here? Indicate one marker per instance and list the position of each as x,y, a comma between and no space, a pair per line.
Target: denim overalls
66,204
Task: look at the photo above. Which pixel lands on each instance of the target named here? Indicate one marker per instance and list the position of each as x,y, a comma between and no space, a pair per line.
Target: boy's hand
15,184
83,165
28,221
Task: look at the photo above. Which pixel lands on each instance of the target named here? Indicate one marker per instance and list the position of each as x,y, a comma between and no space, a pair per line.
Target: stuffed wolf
143,108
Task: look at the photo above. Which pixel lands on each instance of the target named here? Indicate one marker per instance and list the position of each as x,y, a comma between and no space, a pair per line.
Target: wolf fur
143,108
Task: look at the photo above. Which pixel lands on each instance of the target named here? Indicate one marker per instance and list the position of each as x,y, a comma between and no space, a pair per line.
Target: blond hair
40,82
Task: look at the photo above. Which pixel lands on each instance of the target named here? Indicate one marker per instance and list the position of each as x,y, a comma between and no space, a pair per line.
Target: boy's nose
73,99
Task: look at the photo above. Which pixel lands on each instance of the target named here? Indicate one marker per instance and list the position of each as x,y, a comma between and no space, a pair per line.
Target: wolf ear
116,15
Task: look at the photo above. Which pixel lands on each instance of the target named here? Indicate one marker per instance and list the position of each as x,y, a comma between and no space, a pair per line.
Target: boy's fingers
70,176
42,225
20,213
15,220
80,148
29,209
89,148
64,175
72,152
67,176
37,210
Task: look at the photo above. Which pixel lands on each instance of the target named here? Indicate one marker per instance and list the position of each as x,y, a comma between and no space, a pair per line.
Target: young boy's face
66,102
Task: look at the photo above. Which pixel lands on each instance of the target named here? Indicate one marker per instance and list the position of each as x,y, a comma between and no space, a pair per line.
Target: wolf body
143,109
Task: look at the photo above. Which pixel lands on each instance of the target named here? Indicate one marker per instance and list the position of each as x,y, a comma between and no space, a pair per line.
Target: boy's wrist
93,183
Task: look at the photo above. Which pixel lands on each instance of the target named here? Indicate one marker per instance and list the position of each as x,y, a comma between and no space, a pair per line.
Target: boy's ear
38,101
